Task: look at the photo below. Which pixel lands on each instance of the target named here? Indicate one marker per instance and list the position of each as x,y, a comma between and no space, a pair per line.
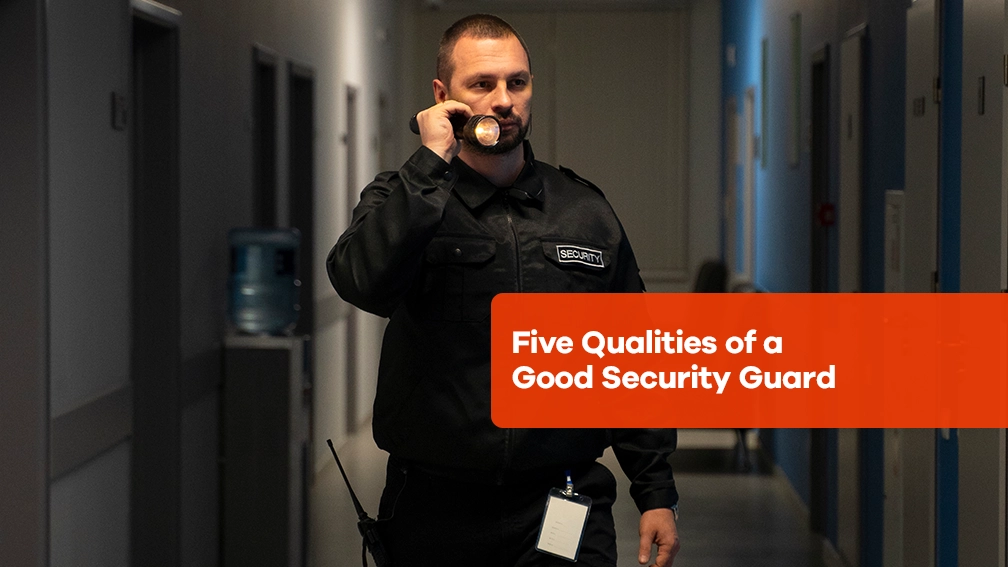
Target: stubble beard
508,140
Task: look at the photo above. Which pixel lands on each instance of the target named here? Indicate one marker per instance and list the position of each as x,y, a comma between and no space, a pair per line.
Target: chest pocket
577,266
459,279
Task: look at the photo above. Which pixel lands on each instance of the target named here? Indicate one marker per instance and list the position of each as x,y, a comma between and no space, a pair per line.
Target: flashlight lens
487,131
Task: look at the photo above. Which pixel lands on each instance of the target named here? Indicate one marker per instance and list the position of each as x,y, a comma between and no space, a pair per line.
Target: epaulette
570,173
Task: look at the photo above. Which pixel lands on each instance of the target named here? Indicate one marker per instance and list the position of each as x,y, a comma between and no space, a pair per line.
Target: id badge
563,524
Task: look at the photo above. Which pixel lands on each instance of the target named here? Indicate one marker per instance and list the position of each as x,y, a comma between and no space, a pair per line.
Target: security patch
570,254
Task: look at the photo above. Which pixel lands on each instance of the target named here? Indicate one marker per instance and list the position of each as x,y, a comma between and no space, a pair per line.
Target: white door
914,490
982,253
921,158
981,186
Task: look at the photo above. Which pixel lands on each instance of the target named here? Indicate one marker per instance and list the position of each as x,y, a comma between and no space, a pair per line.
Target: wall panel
982,93
24,365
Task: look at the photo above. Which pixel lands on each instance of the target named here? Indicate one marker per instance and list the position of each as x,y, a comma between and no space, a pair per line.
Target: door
155,352
921,173
301,163
851,93
749,187
982,123
823,214
731,200
264,140
920,201
981,476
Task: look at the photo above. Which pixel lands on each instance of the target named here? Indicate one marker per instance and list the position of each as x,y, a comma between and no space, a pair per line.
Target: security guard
429,246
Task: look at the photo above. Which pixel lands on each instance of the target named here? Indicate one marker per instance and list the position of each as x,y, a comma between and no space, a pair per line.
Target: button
458,251
449,175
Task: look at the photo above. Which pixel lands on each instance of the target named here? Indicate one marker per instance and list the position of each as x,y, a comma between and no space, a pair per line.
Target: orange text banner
750,360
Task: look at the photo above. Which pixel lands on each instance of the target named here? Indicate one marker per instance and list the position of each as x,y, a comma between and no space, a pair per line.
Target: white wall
365,45
704,137
89,266
981,496
88,525
347,42
89,206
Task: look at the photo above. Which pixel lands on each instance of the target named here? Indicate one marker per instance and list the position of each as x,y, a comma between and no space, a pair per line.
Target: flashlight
480,129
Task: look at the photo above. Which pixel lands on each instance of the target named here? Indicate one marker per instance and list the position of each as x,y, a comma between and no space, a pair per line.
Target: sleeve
627,277
376,259
643,455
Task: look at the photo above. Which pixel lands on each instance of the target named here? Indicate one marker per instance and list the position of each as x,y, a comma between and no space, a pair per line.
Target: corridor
857,147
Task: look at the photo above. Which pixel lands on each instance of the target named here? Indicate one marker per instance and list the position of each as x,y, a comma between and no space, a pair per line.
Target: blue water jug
264,285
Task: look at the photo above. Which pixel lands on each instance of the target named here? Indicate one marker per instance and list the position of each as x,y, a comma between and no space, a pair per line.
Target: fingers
455,107
436,130
667,553
644,553
658,526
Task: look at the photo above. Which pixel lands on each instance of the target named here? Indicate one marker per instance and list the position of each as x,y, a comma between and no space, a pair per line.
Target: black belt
549,474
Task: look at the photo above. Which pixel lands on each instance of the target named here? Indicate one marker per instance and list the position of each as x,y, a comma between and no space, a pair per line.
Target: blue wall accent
741,23
783,200
872,445
947,499
885,130
949,180
833,483
792,454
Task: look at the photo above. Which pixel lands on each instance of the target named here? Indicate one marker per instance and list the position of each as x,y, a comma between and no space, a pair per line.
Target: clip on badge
563,522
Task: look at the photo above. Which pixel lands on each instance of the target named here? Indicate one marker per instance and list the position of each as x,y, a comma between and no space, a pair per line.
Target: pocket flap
457,250
571,254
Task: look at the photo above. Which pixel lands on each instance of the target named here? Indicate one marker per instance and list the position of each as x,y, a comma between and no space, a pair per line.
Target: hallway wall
784,216
24,388
345,43
89,266
783,203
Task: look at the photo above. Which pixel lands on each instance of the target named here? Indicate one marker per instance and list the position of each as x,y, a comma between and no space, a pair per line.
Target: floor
727,518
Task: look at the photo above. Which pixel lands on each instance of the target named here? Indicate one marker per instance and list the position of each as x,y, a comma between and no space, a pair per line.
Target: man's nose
501,98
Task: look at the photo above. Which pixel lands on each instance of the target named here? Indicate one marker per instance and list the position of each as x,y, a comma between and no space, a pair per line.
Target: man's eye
518,83
482,84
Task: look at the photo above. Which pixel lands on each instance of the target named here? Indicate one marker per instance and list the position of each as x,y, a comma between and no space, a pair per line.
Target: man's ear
440,91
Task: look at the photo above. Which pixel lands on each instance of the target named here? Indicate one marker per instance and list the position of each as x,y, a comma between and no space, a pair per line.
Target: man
429,246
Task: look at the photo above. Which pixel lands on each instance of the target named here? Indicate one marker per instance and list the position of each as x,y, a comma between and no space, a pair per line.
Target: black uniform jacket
428,247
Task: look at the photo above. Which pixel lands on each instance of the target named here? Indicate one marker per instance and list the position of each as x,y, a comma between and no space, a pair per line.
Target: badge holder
563,523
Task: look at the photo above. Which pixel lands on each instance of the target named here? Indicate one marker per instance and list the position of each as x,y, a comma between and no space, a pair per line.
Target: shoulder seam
569,173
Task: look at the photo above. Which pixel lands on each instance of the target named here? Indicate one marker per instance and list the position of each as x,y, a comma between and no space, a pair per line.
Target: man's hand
436,131
658,526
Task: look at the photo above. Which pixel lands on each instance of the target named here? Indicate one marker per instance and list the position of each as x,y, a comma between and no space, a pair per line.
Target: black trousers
427,519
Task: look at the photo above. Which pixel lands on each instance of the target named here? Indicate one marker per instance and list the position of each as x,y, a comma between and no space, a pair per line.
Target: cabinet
265,417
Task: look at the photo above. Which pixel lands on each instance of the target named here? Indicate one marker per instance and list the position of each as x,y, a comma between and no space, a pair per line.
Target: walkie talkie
365,524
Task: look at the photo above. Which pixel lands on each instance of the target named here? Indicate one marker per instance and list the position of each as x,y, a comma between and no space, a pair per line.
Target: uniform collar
474,189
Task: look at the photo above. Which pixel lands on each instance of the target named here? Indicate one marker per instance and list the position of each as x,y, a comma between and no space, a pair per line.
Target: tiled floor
726,519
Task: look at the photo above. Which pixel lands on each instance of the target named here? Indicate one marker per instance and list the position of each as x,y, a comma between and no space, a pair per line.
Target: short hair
478,26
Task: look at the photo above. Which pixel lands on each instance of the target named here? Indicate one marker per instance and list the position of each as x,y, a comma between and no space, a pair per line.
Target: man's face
492,76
